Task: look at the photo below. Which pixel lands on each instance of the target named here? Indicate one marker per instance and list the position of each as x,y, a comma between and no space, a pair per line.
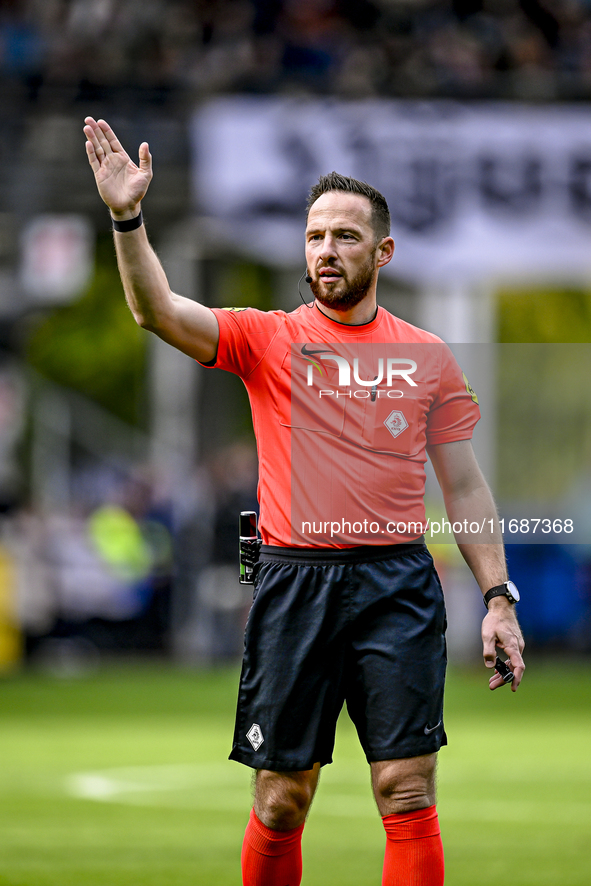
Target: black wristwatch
508,589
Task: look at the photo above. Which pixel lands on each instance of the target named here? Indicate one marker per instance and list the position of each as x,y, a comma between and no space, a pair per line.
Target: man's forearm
469,501
144,281
180,321
483,551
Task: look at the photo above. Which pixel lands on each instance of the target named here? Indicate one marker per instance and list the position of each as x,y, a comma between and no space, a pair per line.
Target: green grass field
121,779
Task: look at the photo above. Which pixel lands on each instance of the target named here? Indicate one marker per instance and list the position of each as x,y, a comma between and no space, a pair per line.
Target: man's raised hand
121,183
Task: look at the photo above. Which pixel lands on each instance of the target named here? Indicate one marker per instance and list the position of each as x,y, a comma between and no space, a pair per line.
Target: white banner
475,190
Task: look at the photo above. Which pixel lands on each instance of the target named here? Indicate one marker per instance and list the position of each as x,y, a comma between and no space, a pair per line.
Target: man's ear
385,251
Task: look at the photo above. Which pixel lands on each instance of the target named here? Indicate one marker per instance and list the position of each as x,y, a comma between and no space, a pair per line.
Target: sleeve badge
470,389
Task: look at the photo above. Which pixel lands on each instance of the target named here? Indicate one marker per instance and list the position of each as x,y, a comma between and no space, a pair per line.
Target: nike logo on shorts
433,728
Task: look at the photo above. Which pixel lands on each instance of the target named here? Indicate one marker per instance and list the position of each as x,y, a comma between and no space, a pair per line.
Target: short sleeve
245,336
455,411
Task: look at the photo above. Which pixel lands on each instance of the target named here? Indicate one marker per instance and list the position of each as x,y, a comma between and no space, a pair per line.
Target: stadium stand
63,51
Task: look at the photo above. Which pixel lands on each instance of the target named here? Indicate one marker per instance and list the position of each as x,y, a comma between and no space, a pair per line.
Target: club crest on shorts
396,423
255,736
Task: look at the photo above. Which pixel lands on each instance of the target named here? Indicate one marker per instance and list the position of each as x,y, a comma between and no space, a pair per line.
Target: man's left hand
500,628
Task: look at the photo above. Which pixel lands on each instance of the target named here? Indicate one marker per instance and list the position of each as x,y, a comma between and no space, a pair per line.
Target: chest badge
396,423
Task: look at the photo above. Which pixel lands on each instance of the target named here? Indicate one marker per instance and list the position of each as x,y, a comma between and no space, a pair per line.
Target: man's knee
282,799
404,785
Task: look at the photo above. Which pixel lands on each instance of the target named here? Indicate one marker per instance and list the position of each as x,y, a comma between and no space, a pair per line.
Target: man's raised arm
468,498
183,323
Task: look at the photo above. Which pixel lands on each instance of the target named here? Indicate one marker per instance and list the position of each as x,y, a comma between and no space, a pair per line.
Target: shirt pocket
312,407
393,425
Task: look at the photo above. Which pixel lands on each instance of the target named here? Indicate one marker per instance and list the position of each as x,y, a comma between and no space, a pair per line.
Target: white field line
226,787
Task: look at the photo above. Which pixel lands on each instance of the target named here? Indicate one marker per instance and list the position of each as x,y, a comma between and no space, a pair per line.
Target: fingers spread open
102,140
145,157
91,134
92,158
110,136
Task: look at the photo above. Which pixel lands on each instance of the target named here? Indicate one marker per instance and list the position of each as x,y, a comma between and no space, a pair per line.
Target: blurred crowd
88,49
135,563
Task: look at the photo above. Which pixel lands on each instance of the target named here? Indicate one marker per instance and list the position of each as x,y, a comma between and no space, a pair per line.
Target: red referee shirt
342,416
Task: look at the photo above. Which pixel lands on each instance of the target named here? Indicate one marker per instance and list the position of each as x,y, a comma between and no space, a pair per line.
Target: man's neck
362,313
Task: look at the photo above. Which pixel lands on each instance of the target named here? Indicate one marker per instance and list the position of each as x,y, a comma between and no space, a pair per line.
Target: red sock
414,853
271,858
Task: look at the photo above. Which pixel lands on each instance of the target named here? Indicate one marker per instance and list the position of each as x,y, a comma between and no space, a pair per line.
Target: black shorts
364,625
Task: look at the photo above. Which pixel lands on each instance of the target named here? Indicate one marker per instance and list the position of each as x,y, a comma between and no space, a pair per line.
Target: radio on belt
250,545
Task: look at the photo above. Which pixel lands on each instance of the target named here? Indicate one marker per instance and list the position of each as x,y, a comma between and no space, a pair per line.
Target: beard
350,292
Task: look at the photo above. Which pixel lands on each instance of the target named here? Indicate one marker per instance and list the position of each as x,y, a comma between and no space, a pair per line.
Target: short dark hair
334,181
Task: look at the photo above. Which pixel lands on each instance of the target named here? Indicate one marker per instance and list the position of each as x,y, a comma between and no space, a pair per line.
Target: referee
348,607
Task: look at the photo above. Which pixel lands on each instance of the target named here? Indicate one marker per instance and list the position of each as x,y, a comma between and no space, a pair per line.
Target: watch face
512,589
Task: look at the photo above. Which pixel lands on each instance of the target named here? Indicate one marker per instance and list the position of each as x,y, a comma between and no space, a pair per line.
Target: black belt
356,554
